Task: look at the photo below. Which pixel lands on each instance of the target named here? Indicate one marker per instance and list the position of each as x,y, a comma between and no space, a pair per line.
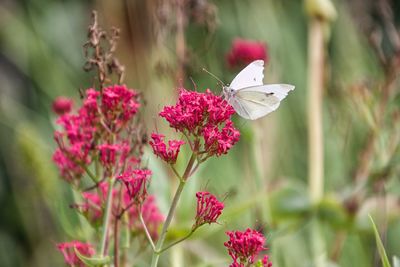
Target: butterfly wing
257,101
250,76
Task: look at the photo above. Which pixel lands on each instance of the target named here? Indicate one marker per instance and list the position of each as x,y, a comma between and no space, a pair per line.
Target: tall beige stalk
315,102
320,12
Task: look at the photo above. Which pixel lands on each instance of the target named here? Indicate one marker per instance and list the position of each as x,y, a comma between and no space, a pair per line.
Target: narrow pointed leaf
381,248
92,261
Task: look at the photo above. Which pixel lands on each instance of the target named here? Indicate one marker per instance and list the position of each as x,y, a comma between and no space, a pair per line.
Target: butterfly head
228,92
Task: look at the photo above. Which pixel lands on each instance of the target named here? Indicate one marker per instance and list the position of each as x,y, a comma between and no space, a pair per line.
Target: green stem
90,174
176,242
106,218
171,212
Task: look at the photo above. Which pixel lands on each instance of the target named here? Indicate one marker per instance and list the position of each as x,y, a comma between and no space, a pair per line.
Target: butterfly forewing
252,75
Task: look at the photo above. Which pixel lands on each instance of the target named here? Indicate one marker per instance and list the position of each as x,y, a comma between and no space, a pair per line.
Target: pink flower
169,154
208,209
113,155
265,261
245,246
244,52
69,170
219,142
76,137
62,105
203,115
68,250
136,183
119,104
92,207
151,216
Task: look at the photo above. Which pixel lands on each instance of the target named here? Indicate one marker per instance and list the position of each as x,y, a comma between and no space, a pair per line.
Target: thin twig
146,230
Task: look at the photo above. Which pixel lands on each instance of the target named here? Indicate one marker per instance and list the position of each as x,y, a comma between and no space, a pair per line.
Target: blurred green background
264,177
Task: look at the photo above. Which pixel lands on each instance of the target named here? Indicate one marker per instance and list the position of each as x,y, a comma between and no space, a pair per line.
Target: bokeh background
264,179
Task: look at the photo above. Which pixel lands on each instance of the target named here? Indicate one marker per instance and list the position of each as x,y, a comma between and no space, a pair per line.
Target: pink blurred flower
169,154
151,216
265,261
208,209
113,155
136,183
245,51
76,137
93,203
68,251
62,105
245,246
206,116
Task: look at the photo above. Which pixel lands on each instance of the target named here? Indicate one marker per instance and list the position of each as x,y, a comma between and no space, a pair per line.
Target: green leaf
381,248
94,261
396,261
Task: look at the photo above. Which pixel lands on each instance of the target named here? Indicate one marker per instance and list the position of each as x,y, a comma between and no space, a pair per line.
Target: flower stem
106,218
176,242
171,212
92,176
146,230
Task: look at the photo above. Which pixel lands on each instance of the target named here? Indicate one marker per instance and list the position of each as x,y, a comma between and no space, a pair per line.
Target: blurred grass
266,172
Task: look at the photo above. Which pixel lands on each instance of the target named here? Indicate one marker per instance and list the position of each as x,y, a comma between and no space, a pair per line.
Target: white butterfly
252,99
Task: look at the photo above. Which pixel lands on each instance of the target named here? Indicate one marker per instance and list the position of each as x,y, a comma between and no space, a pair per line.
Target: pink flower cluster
76,138
206,116
94,121
68,251
244,247
244,52
119,105
136,183
169,154
208,209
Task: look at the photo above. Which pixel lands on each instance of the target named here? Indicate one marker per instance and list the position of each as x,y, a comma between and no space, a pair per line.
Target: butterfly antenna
194,84
222,84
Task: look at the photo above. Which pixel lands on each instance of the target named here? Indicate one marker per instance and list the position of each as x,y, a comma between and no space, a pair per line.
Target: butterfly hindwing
258,101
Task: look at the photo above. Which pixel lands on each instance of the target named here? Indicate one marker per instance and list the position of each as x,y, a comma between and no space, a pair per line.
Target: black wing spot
269,94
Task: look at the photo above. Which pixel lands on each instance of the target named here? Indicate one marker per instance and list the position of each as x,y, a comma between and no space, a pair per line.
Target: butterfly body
252,99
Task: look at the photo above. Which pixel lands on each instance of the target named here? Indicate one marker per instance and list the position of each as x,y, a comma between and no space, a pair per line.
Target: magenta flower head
203,116
208,209
136,183
244,52
119,104
169,154
245,246
62,105
68,251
